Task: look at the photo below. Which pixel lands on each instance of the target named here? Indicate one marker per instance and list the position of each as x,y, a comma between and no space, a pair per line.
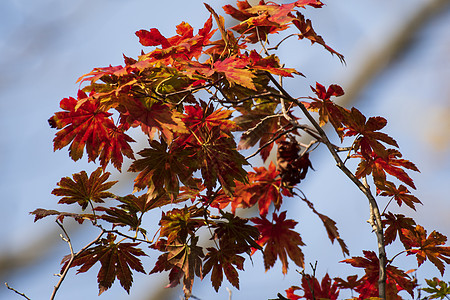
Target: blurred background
398,66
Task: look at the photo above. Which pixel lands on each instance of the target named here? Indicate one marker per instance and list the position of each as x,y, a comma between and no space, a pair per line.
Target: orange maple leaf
427,247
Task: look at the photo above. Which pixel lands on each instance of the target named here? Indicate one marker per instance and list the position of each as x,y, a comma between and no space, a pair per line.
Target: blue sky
45,45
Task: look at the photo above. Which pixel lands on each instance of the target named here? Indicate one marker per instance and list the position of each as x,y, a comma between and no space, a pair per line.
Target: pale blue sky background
45,45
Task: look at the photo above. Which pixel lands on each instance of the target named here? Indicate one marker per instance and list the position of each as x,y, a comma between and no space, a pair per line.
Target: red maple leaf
177,224
279,241
236,234
218,160
116,146
206,117
367,133
270,64
256,22
400,194
41,213
396,223
153,116
327,109
120,217
351,283
152,38
222,261
255,27
261,125
203,118
183,260
427,247
264,188
307,31
83,189
182,47
290,293
91,127
378,166
161,170
235,69
396,281
98,73
330,227
324,290
116,259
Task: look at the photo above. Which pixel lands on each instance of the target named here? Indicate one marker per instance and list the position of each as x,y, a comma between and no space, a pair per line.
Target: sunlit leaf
279,241
417,243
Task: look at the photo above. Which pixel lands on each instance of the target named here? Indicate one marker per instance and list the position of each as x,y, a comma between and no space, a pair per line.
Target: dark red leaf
279,241
82,189
116,259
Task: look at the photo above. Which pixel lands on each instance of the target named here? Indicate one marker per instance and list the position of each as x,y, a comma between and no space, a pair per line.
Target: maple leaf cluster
201,103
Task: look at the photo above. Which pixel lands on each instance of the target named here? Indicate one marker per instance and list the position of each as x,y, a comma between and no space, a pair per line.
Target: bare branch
16,291
377,224
72,257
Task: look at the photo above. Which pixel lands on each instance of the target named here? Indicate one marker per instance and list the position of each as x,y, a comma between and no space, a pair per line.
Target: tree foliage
200,98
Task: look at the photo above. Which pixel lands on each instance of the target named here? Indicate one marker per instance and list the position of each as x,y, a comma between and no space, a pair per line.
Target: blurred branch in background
375,54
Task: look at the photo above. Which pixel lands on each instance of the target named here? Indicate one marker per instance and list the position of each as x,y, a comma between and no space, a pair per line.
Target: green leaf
437,288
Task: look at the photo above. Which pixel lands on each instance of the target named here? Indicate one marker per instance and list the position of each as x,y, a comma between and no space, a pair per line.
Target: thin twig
135,238
72,257
342,149
307,147
278,45
283,107
229,293
193,89
270,142
384,210
392,259
260,41
16,291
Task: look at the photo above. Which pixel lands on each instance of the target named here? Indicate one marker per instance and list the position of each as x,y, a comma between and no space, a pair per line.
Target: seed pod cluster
291,165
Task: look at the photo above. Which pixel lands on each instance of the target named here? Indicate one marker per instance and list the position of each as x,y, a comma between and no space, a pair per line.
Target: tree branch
16,291
72,257
376,224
